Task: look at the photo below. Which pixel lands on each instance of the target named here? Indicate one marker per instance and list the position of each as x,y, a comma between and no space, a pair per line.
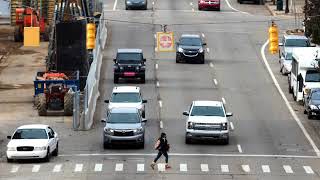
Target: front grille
129,69
207,126
190,52
25,148
123,133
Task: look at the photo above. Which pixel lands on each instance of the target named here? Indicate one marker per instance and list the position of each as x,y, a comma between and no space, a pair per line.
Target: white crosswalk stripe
245,168
57,168
204,167
78,168
36,168
119,167
98,167
183,167
308,169
287,169
224,168
266,168
15,168
140,167
161,167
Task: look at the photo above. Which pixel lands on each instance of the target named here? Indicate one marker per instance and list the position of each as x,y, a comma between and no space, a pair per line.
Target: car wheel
202,60
218,9
305,112
309,115
226,141
143,114
106,145
47,158
145,7
290,89
188,140
141,145
199,8
177,59
9,160
56,151
143,79
240,2
116,79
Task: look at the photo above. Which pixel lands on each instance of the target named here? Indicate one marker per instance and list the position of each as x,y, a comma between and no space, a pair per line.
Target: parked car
124,126
136,4
312,103
286,63
127,96
129,64
209,4
207,120
33,141
254,1
291,41
190,47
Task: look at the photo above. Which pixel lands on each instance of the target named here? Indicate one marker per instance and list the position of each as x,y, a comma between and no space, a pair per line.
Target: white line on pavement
155,36
183,167
265,168
78,168
192,9
140,167
98,167
204,167
208,50
308,169
239,148
57,168
215,82
231,126
119,167
287,169
211,64
36,168
115,5
160,103
161,124
294,115
161,167
15,168
158,84
224,168
202,35
246,168
157,66
223,100
234,8
155,49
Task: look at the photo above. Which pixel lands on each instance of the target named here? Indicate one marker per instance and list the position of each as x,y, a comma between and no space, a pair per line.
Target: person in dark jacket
163,147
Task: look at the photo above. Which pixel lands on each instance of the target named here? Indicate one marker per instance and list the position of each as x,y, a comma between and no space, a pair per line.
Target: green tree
312,21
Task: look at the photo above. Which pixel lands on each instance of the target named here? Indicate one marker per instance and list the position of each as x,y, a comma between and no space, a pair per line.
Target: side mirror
280,44
144,101
228,114
8,137
144,120
103,120
106,101
51,136
204,44
144,60
186,113
115,60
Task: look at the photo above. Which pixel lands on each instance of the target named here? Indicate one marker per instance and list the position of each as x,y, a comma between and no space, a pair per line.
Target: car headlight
137,68
11,148
108,130
224,126
313,106
128,2
180,49
201,50
138,130
121,68
143,2
306,91
190,125
41,148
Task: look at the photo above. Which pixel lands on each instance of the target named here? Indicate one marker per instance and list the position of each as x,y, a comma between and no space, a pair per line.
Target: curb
270,10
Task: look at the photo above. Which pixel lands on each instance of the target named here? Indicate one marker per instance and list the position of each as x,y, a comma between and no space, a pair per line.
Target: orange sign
165,41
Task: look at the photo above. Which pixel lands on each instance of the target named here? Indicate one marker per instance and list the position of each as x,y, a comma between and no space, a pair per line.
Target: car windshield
289,56
315,95
297,43
30,134
129,58
123,118
125,97
312,76
190,41
207,111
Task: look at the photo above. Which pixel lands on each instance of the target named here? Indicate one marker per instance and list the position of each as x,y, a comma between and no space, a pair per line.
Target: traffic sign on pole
165,41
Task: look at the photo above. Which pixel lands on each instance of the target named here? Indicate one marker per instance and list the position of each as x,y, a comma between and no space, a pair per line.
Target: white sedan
32,142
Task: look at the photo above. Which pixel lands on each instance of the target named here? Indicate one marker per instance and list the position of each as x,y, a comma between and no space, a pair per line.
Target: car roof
207,103
306,56
123,89
190,35
129,51
33,126
293,36
124,110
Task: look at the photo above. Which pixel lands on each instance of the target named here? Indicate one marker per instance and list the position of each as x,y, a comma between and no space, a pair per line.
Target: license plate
129,74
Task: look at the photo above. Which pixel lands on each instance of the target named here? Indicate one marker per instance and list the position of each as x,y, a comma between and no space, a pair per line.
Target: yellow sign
165,41
31,36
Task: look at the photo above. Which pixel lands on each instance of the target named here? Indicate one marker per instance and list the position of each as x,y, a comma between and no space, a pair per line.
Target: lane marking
160,103
246,168
78,168
119,167
158,84
192,9
204,167
239,148
183,167
155,36
308,169
223,100
140,167
208,50
156,49
224,168
157,66
215,82
36,168
231,126
15,168
294,115
161,124
211,64
265,168
202,35
115,5
57,168
287,169
161,167
235,8
98,167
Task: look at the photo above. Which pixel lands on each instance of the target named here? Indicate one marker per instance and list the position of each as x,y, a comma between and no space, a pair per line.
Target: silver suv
124,126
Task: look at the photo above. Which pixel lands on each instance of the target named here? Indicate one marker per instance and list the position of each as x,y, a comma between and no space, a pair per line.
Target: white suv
207,120
127,96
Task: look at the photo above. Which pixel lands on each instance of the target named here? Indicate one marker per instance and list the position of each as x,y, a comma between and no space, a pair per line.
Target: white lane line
223,100
191,4
160,103
98,167
202,35
208,50
155,36
234,8
57,168
158,84
183,167
156,49
15,168
308,169
224,168
204,167
157,66
239,148
78,168
246,168
36,168
287,169
161,124
265,168
215,81
161,167
211,64
231,126
119,167
294,115
115,5
140,167
192,9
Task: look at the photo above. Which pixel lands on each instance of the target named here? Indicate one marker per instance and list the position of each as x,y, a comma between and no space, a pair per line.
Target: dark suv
129,64
190,48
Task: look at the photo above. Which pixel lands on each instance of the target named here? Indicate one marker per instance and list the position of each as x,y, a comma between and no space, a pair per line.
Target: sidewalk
295,8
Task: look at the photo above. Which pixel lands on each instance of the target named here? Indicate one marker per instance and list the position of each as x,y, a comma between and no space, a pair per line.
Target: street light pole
287,7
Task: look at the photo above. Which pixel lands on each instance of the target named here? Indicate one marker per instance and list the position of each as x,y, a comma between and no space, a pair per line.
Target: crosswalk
141,167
